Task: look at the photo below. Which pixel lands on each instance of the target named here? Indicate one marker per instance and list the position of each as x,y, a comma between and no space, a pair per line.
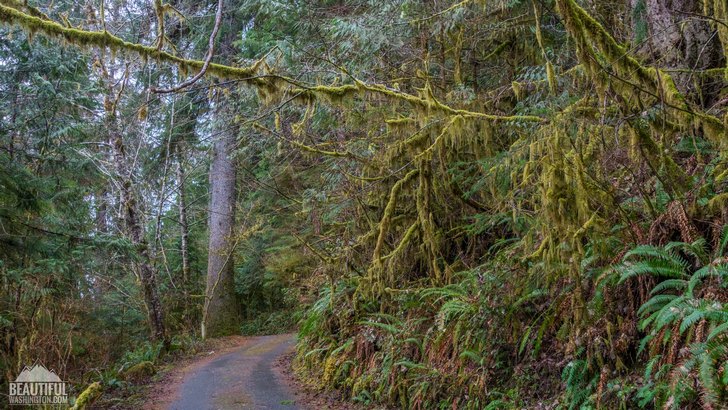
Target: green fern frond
417,342
447,292
719,270
670,284
697,249
456,308
691,319
723,241
650,365
655,267
410,365
723,327
472,355
655,303
525,339
644,342
651,252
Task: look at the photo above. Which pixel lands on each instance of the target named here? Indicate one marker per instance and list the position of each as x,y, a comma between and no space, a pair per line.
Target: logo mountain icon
37,373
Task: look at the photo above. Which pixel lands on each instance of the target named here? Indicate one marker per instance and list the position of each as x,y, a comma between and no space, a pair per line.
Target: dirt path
241,377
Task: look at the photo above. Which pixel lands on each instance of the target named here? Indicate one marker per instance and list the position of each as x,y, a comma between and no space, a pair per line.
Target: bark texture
221,315
678,38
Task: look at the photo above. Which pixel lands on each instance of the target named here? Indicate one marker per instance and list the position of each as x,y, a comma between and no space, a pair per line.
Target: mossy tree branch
104,39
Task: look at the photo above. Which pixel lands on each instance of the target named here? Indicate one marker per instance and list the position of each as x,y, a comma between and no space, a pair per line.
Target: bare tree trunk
101,212
221,315
183,225
184,237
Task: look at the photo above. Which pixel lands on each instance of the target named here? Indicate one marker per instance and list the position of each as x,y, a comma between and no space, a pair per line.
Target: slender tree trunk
183,225
221,315
101,212
135,231
184,238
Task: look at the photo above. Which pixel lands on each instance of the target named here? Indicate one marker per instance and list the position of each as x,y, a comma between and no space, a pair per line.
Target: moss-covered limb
404,241
88,396
400,121
387,216
361,178
431,103
104,39
427,102
324,258
23,5
710,72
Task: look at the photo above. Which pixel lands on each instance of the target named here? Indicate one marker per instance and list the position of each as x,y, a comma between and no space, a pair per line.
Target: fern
673,302
649,251
670,284
717,331
472,355
697,249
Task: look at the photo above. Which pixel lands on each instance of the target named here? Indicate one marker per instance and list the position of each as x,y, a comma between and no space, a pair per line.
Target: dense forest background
473,204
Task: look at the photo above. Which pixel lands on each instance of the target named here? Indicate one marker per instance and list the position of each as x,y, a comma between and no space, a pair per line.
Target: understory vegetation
461,204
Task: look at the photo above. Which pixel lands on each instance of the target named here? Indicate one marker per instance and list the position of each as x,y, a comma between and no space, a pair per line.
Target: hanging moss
550,73
551,76
387,216
517,89
720,13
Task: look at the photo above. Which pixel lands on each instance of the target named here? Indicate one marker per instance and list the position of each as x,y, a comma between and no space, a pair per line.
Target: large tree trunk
221,315
677,38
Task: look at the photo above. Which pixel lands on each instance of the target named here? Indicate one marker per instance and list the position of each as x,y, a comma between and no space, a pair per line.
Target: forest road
243,378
